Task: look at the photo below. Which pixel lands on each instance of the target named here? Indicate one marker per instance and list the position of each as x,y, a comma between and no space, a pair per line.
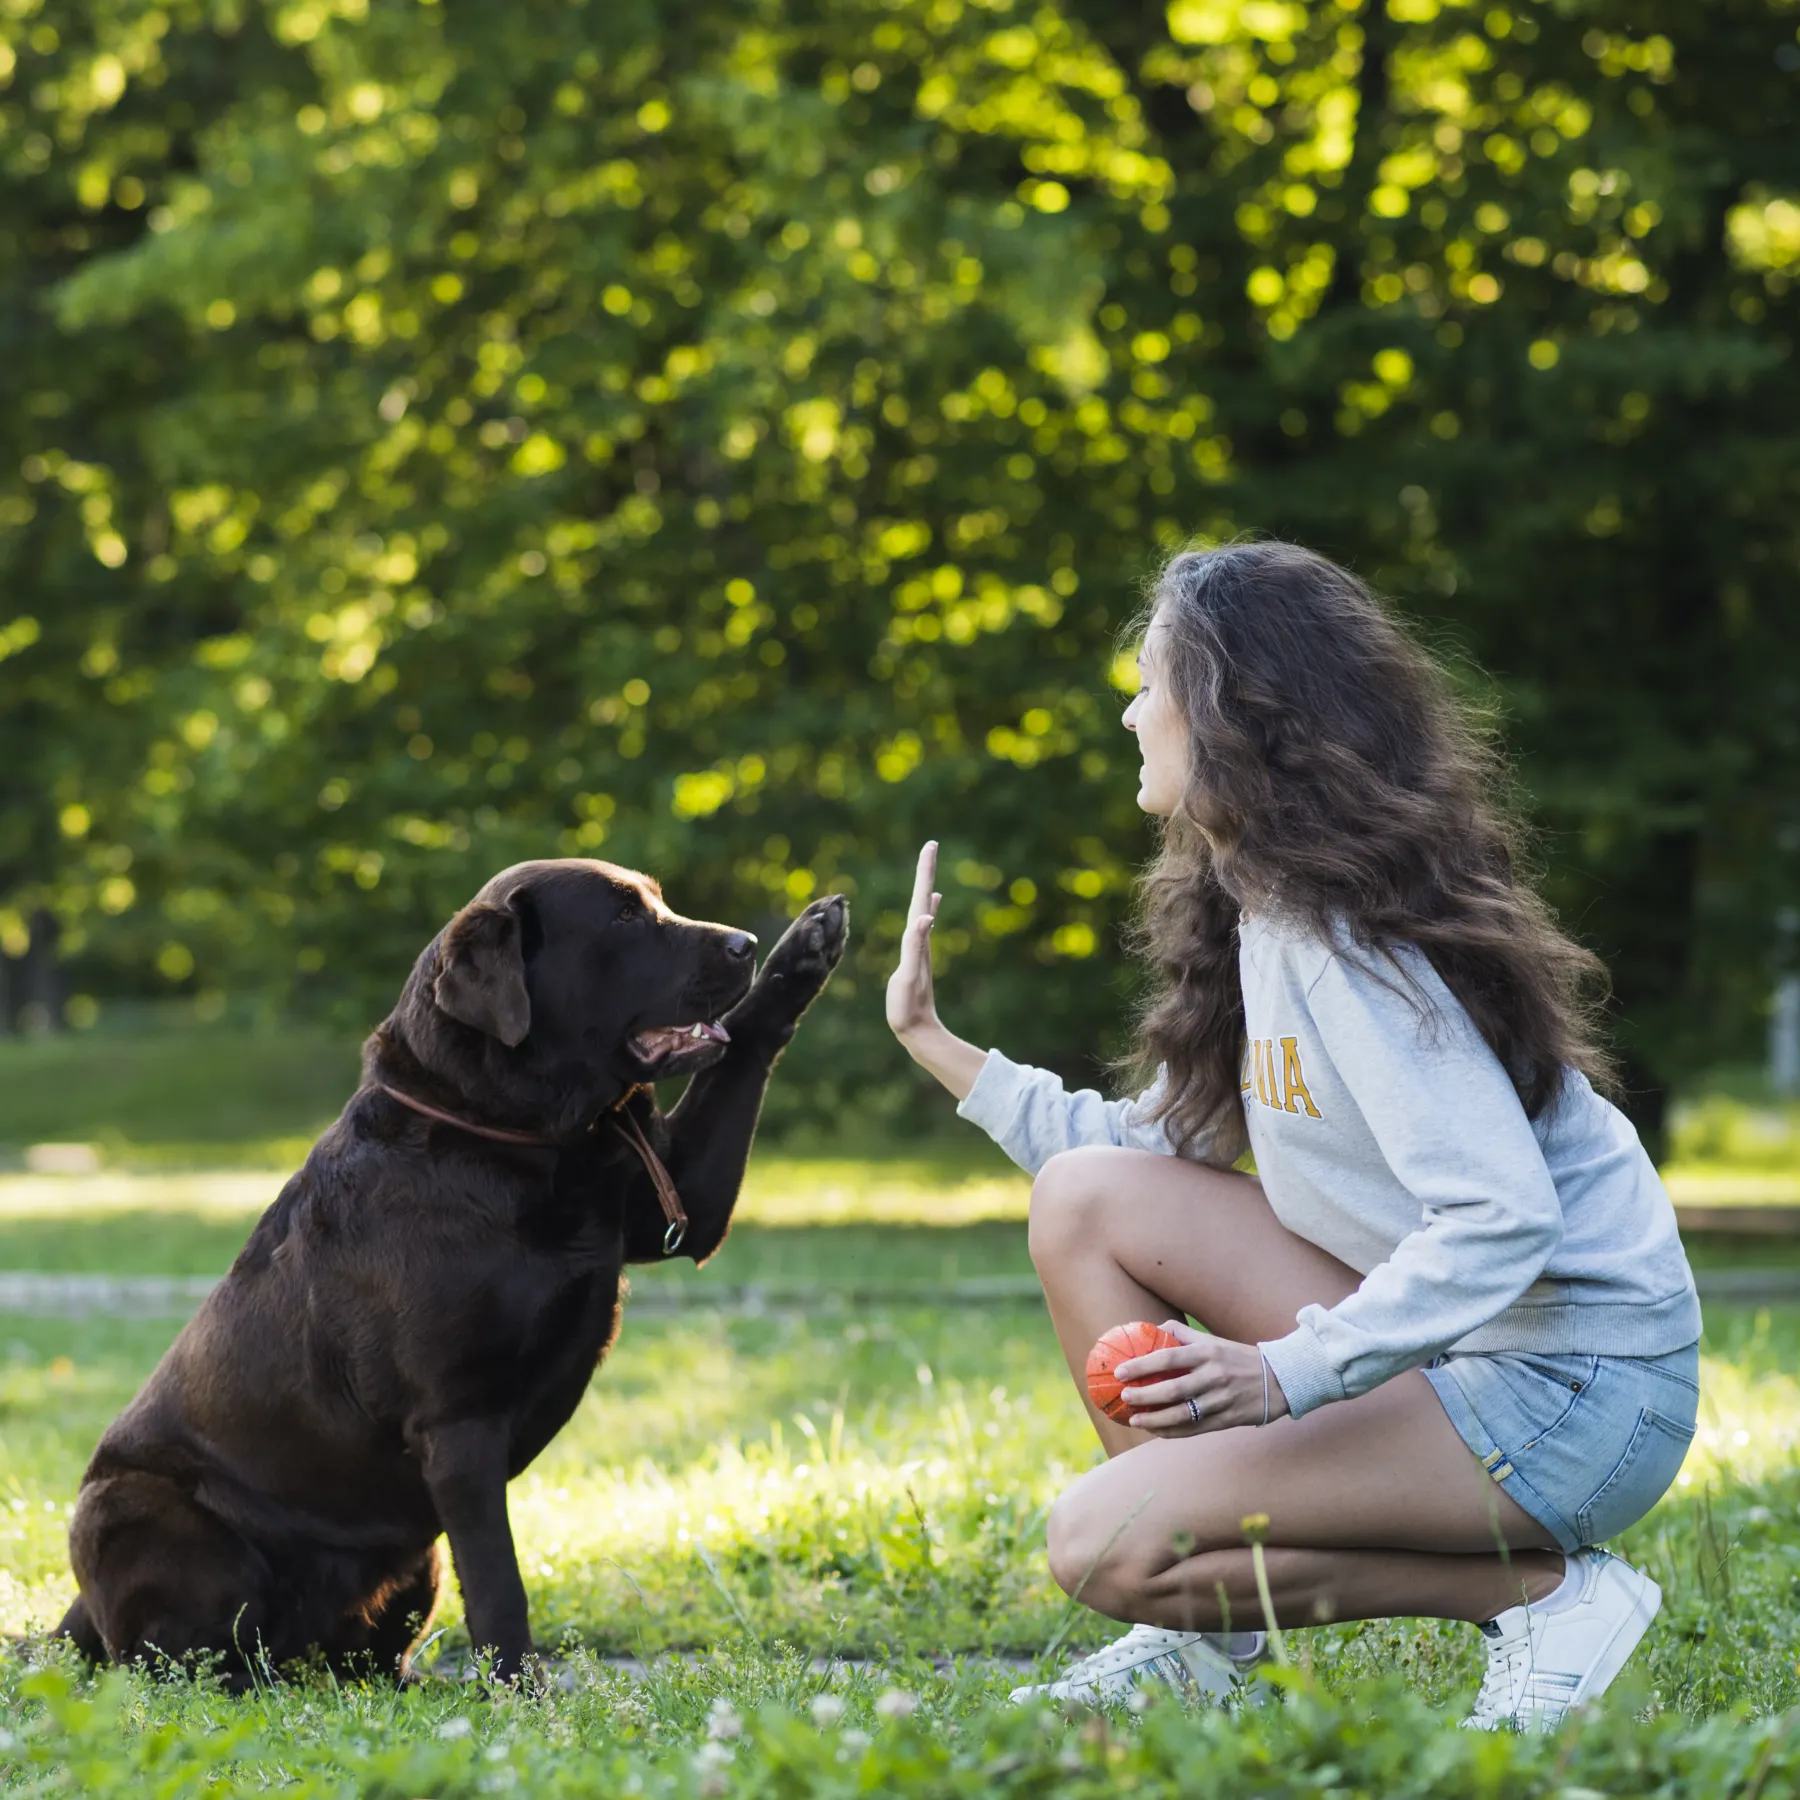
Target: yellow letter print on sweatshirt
1284,1093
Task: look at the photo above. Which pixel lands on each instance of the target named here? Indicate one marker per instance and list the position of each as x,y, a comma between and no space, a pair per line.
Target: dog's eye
626,913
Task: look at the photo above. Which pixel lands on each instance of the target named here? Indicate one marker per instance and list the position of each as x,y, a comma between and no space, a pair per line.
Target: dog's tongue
661,1040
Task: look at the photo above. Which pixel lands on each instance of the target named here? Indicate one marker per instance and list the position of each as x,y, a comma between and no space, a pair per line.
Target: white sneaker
1542,1663
1198,1665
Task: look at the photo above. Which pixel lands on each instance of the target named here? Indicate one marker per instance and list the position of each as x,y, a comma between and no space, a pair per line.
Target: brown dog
420,1311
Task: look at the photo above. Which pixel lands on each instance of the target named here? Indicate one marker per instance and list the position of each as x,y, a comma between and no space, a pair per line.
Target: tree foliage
729,439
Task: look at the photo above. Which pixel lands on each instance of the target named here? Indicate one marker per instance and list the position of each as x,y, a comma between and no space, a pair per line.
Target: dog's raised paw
814,943
798,967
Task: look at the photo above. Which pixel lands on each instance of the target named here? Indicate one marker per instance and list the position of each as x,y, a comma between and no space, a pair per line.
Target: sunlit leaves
1222,21
20,634
735,448
1764,234
1068,103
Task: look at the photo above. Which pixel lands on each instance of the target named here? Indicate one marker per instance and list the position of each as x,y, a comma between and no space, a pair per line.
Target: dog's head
584,974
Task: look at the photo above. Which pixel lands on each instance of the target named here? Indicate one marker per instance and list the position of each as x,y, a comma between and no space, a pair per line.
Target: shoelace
1506,1683
1136,1646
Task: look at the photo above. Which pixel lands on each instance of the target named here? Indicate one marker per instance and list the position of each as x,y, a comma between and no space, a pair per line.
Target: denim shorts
1585,1444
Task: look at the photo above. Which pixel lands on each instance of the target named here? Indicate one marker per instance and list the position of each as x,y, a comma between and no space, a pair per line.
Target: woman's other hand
1225,1382
912,1013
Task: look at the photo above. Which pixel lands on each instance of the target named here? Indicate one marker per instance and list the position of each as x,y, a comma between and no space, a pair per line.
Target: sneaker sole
1618,1649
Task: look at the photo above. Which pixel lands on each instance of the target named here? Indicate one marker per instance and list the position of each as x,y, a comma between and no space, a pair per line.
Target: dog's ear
481,973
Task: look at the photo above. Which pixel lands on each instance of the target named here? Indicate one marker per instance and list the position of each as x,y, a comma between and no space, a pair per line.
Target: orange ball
1119,1345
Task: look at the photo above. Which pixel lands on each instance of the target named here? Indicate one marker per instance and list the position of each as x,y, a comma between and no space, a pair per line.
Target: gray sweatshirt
1387,1132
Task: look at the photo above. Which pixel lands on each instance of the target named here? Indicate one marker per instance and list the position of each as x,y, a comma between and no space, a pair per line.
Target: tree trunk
39,983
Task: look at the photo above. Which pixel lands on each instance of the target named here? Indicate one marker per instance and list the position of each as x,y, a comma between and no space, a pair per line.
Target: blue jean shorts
1585,1444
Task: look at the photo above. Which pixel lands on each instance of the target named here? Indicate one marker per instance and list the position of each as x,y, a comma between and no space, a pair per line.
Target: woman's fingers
1161,1393
910,1002
1165,1393
914,944
1171,1418
1220,1385
1160,1362
915,947
1187,1370
926,874
1165,1406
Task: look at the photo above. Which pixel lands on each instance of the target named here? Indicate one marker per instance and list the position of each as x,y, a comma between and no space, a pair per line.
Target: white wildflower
827,1709
710,1763
896,1703
458,1727
724,1721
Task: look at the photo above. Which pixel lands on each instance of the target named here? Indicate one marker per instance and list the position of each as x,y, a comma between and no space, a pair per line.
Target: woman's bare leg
1125,1234
1376,1506
1375,1509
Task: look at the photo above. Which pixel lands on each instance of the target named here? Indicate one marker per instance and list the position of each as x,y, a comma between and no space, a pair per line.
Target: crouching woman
1449,1339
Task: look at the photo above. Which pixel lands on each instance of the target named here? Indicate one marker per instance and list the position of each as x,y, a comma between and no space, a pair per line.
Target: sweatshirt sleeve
1447,1119
1031,1115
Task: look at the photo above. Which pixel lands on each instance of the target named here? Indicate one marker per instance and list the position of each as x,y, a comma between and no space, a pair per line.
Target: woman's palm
911,1004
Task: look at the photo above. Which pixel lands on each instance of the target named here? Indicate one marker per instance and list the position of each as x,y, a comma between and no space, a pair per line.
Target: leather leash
668,1197
660,1179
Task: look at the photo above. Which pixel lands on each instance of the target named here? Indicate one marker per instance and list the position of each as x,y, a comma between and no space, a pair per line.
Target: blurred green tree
730,439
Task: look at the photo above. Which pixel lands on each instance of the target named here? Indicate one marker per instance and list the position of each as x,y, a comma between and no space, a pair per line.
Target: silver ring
1194,1409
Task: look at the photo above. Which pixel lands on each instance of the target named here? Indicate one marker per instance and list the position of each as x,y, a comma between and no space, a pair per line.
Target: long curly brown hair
1334,780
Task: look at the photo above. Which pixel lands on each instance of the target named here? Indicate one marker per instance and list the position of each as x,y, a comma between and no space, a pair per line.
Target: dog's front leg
711,1128
465,1471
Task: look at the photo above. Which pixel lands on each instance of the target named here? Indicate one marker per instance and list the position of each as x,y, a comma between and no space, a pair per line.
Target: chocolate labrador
421,1309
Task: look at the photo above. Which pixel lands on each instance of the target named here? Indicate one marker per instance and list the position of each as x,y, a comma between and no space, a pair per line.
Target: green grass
747,1722
1726,1130
184,1097
762,1490
863,1479
1728,1150
766,1491
874,1480
952,1216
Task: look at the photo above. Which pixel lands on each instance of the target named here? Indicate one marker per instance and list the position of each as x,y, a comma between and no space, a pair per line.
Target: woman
1450,1333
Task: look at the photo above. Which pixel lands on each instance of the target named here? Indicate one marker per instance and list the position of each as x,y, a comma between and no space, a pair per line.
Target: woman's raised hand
911,1004
912,1013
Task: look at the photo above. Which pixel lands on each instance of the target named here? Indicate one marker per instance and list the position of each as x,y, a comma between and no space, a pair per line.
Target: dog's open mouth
678,1049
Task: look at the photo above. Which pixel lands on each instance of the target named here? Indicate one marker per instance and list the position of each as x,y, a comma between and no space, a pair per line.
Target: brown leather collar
627,1127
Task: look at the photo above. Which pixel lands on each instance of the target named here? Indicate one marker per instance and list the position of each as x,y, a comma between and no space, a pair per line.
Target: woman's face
1161,731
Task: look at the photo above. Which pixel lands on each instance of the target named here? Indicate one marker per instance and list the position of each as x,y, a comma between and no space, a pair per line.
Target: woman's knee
1068,1204
1091,1558
1069,1540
